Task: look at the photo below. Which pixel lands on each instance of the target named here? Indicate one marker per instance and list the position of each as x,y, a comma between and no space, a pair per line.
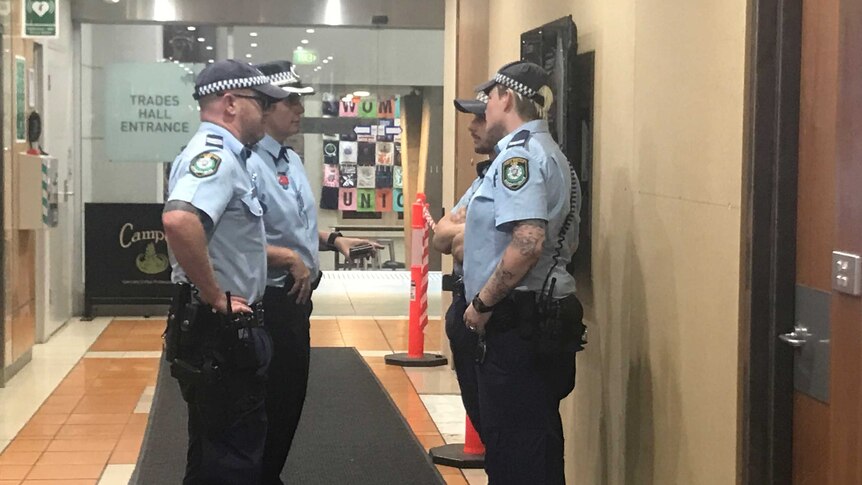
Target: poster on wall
40,19
368,158
149,111
20,99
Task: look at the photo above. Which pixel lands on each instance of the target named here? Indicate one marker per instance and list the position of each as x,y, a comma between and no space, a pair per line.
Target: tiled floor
379,293
89,429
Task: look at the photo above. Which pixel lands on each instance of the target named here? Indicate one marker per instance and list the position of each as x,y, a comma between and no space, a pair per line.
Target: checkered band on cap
516,86
284,78
228,84
481,96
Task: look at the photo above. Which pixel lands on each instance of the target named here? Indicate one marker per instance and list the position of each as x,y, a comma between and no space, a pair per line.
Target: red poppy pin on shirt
283,180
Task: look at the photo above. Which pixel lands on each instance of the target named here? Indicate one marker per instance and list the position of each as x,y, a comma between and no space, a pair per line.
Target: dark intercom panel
554,46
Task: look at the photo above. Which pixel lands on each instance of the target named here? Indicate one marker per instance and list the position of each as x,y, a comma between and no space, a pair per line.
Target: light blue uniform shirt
237,242
464,202
534,184
290,214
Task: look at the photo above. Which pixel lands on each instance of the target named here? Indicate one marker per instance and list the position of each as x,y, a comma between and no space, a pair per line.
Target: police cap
283,74
474,106
229,74
523,77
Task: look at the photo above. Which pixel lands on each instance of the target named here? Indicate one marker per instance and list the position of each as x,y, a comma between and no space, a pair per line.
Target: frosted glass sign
150,114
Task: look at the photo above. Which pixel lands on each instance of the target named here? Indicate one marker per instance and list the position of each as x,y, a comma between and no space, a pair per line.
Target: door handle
66,192
797,338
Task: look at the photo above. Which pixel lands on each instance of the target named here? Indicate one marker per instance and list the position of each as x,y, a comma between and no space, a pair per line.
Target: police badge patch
205,164
515,173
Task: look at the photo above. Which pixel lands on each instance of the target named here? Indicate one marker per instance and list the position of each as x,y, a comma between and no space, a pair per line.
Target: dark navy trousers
287,382
519,399
463,343
227,421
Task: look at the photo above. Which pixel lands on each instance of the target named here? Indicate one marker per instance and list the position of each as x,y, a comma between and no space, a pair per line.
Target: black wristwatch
330,241
480,306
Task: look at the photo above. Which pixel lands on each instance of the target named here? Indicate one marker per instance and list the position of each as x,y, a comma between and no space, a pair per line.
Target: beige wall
656,397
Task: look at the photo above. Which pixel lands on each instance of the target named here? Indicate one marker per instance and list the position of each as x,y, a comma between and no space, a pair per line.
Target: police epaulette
520,139
215,141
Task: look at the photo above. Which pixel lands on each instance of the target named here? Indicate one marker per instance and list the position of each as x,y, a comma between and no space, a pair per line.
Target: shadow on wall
628,378
639,408
595,416
653,394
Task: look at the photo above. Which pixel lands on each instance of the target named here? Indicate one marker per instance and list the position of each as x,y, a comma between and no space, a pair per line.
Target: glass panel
138,112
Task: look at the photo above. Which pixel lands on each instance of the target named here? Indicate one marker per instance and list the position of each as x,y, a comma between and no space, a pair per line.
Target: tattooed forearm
519,258
501,283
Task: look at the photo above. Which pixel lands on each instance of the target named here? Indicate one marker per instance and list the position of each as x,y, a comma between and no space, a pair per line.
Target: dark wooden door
815,234
827,426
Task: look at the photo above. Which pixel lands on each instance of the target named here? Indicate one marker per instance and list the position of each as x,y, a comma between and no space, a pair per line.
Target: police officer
213,222
521,231
449,239
293,242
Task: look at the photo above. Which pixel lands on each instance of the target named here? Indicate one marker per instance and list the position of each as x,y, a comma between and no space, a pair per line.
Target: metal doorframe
768,263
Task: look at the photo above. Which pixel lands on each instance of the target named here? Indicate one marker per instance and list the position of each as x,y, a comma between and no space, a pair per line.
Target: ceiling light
211,61
330,58
252,34
304,41
254,44
299,48
209,47
176,61
307,31
248,56
326,61
201,39
112,1
361,94
332,13
191,28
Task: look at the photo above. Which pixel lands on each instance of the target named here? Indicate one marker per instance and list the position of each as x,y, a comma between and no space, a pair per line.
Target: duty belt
453,283
511,310
289,282
247,320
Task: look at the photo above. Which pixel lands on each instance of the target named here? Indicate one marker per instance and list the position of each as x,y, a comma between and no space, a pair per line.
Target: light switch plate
847,273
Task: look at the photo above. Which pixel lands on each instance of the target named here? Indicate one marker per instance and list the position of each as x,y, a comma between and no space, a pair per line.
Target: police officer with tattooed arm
521,231
215,341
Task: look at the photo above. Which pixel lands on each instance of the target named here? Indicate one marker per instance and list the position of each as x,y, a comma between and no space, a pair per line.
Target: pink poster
330,175
347,199
347,109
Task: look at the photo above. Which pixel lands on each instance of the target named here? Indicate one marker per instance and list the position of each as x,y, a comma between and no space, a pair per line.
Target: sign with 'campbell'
126,254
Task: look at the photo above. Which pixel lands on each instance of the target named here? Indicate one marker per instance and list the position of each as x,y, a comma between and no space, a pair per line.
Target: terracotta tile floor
88,422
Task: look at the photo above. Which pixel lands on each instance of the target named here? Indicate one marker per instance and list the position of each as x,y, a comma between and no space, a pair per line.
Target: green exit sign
304,56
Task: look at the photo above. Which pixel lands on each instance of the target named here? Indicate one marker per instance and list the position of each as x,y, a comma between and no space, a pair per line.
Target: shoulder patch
516,172
205,164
